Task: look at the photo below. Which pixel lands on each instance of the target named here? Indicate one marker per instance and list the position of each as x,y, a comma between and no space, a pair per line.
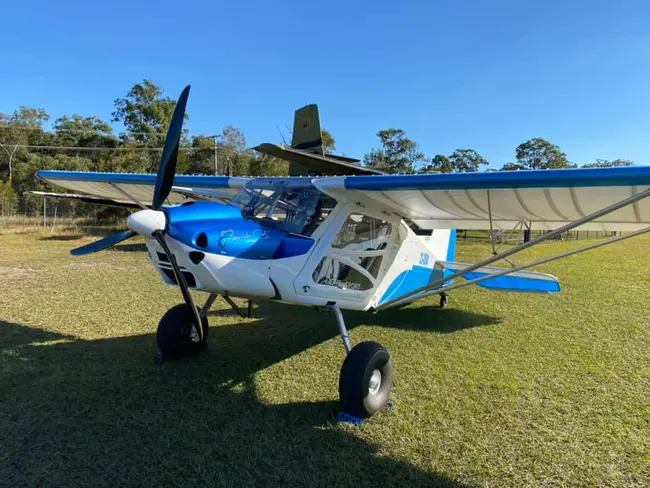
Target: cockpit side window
363,233
323,209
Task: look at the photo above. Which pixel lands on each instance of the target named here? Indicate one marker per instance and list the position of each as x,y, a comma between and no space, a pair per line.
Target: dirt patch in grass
10,273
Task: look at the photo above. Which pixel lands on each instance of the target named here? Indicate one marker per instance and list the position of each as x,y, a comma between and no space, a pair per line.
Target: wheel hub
194,334
375,382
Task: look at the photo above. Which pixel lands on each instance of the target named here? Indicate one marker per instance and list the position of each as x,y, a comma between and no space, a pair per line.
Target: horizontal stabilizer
316,164
526,281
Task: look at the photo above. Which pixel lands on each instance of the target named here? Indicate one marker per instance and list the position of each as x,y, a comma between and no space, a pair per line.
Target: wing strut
128,195
437,286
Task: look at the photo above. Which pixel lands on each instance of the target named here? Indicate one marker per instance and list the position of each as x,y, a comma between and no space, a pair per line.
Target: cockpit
298,208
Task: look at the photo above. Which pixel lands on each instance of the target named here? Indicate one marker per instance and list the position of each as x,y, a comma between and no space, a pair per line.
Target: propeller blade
167,167
103,243
180,279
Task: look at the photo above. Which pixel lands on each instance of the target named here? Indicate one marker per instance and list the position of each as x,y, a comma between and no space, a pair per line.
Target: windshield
298,210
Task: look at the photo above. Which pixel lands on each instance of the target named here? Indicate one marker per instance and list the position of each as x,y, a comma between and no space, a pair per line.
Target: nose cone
146,222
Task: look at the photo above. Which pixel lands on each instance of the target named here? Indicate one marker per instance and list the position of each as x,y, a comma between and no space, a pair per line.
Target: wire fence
50,212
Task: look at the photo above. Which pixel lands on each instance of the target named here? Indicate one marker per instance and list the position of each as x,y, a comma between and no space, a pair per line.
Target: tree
329,143
146,116
604,163
263,165
466,161
145,113
201,155
25,125
538,153
84,131
440,163
398,154
513,167
232,152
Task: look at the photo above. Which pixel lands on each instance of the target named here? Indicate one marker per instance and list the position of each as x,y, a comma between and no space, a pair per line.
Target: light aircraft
362,242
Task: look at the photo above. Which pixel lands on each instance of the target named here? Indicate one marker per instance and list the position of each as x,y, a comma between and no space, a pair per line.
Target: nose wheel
177,336
366,375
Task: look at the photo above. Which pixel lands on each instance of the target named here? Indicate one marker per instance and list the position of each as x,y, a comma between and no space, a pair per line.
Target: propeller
167,167
104,243
153,222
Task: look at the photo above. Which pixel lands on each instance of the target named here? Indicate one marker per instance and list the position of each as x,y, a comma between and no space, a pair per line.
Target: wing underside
541,200
111,188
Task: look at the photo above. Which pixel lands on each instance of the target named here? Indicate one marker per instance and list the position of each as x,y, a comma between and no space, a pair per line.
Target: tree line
399,154
88,143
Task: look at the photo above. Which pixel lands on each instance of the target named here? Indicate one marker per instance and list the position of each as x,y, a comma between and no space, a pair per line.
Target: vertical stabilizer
306,130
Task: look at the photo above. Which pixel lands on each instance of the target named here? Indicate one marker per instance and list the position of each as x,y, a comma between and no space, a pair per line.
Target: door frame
304,283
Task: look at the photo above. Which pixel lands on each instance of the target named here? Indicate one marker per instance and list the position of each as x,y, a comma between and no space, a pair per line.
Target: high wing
540,199
112,188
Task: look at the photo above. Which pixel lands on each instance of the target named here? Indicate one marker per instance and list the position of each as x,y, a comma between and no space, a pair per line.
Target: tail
306,137
306,130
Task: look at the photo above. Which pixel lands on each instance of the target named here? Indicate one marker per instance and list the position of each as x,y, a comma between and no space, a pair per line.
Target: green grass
496,390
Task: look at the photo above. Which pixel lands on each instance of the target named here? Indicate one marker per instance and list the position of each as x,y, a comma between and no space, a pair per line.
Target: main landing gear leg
366,375
444,298
235,307
208,303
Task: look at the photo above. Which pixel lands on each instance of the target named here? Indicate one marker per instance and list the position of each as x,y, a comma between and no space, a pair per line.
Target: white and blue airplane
364,242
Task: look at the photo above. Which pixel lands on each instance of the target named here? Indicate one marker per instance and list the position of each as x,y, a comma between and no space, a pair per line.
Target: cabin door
351,258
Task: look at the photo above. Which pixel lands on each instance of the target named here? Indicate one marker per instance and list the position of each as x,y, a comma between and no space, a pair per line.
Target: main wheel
366,379
174,333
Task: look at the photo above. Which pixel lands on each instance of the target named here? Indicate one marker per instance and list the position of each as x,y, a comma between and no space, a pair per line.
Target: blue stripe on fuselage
407,281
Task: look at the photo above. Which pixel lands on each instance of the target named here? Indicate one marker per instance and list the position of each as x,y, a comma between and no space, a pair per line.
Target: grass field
496,390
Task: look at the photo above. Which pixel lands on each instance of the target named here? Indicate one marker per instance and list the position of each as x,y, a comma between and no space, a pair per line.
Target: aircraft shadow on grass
101,413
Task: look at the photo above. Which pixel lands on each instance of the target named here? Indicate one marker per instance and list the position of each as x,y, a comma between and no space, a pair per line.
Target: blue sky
478,74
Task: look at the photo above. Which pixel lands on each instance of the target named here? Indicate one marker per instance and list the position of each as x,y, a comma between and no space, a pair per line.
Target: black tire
173,336
444,300
354,383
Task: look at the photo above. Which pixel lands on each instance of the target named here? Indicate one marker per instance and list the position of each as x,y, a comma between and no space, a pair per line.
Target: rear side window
363,233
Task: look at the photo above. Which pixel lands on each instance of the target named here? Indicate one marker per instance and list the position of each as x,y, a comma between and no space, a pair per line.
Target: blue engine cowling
219,228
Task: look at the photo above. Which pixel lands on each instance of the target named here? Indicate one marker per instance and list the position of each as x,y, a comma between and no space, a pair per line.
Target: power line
78,148
76,131
92,132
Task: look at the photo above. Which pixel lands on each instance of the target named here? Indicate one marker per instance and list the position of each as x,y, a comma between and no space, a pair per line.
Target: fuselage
298,247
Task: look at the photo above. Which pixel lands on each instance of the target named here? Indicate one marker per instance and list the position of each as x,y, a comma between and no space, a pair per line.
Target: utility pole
216,172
